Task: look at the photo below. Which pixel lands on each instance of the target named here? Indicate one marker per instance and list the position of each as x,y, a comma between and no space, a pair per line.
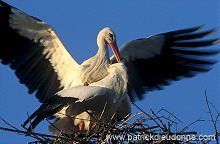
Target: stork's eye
111,36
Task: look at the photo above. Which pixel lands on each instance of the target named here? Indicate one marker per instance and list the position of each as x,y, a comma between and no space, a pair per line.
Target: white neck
103,53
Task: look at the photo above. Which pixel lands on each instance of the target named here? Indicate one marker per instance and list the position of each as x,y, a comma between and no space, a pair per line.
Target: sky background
78,23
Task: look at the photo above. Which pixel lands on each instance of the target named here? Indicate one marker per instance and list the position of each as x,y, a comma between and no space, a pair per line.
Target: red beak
115,50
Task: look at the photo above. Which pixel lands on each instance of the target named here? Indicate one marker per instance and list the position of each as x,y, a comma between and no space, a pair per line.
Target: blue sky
78,23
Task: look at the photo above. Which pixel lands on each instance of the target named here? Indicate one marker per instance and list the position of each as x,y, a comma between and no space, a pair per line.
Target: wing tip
210,32
200,27
4,4
216,41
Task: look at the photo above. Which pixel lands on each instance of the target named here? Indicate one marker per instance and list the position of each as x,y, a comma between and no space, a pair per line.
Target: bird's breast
90,74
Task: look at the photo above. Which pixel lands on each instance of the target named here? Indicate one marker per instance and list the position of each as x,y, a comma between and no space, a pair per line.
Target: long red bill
115,51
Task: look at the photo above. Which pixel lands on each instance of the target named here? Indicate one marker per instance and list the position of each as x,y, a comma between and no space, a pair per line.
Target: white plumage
41,62
82,106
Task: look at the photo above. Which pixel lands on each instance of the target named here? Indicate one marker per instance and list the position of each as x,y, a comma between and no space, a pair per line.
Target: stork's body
82,106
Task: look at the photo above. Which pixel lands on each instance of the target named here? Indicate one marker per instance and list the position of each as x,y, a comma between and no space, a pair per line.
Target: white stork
41,62
79,107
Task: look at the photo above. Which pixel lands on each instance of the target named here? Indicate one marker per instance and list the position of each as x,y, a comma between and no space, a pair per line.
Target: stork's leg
81,125
89,128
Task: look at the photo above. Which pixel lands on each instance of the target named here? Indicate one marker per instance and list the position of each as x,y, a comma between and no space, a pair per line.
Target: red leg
81,125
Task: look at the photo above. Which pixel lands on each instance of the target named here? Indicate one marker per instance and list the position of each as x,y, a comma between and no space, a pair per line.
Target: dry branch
140,124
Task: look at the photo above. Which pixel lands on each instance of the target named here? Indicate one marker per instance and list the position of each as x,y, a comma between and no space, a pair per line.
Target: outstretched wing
32,48
156,61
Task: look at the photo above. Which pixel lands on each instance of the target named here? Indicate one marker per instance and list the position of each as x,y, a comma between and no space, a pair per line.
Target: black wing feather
179,58
25,57
48,109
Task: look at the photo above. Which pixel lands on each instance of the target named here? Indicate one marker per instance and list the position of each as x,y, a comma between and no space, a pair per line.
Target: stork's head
107,36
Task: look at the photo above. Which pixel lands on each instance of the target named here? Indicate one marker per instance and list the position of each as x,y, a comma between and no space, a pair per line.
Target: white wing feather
143,48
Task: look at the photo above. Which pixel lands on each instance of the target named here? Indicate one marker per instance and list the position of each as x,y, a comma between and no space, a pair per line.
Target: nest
156,127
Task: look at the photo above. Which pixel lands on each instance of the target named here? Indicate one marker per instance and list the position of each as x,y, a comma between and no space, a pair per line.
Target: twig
211,115
16,128
164,126
129,119
172,115
186,127
149,116
26,133
53,125
8,123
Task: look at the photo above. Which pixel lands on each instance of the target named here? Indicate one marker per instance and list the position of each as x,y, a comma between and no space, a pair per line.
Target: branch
214,122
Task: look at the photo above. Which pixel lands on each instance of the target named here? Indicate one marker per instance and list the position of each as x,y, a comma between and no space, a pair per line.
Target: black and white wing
87,96
156,61
32,48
